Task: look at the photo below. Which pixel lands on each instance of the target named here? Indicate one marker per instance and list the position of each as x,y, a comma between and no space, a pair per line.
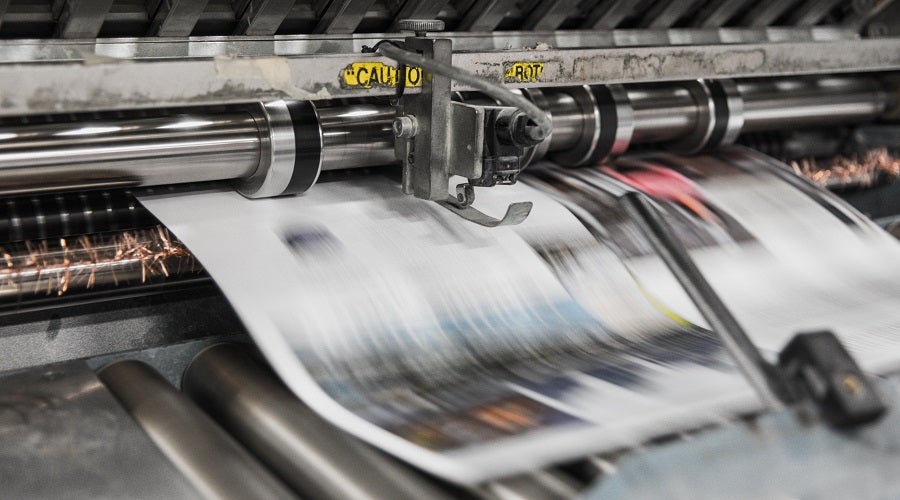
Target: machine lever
516,213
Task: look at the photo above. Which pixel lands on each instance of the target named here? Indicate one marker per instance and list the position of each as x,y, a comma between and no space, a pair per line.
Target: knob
420,26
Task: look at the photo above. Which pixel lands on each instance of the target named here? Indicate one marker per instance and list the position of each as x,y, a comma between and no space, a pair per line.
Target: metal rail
208,73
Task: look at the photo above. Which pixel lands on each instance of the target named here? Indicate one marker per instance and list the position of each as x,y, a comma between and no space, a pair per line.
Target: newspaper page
469,352
786,260
475,353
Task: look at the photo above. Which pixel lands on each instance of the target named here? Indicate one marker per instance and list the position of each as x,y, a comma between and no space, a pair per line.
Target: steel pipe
315,458
128,152
356,135
780,104
208,457
281,147
662,112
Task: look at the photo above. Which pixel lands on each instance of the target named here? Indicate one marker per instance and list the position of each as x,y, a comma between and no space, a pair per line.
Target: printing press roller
281,148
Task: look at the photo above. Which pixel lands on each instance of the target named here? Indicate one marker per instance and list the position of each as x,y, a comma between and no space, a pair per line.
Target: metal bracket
438,138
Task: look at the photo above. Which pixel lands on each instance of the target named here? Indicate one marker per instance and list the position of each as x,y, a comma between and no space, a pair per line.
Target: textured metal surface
62,329
116,85
102,50
63,435
208,457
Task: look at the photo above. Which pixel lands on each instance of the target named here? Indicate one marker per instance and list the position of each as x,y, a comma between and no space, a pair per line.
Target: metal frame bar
485,15
108,83
607,14
82,18
550,14
176,17
343,16
263,17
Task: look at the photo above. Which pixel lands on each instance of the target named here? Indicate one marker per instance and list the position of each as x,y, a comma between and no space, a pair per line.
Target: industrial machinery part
813,369
211,460
61,426
311,455
53,267
283,148
70,214
438,138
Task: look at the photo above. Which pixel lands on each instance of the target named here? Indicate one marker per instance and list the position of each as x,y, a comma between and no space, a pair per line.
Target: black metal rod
762,375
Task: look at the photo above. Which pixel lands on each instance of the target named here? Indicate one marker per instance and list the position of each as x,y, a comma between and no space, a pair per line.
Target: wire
498,92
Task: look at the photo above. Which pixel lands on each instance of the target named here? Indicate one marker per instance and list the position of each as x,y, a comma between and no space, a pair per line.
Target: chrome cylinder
208,457
188,147
789,103
568,120
282,148
315,458
356,135
662,112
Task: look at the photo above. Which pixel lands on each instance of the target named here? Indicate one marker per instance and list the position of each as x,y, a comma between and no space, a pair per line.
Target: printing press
125,372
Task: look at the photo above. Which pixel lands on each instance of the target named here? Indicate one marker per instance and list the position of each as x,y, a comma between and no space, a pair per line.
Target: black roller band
609,123
720,100
307,147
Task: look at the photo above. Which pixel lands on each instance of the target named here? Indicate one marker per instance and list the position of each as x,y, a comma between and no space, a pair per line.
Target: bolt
405,127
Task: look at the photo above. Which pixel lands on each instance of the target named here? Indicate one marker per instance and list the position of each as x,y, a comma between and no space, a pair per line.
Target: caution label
524,72
376,74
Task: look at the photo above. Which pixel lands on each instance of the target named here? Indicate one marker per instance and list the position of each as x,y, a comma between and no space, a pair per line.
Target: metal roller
70,214
308,453
274,150
128,152
790,103
210,459
282,147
